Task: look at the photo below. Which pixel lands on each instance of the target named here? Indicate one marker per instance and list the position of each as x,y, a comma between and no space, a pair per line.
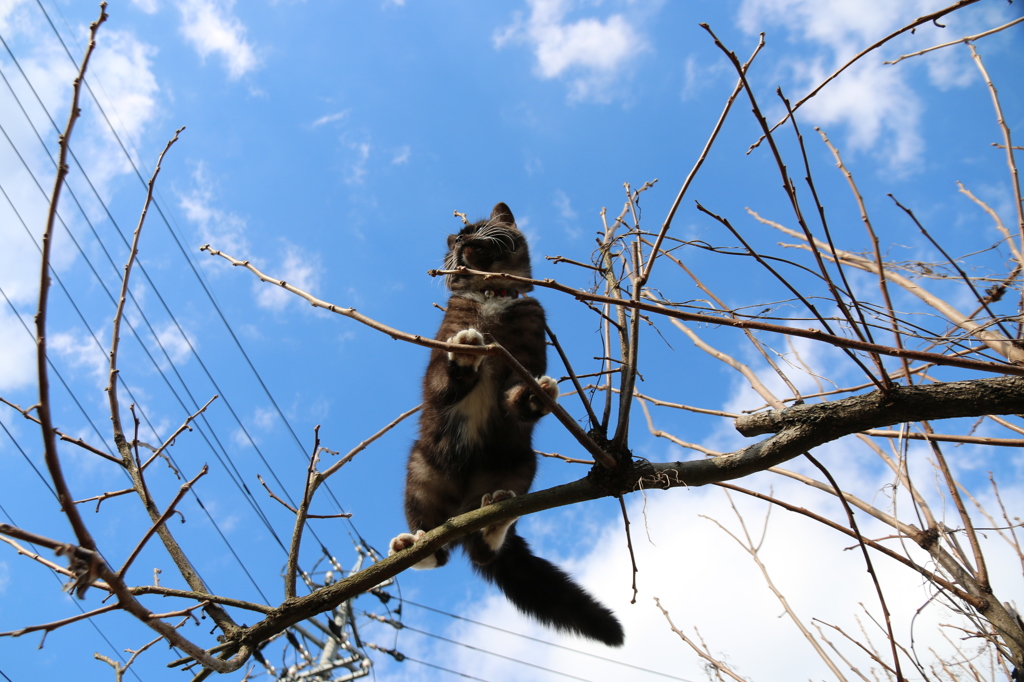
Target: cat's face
493,245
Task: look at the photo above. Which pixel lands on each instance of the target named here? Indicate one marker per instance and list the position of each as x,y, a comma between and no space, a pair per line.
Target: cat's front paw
494,535
467,337
404,541
550,387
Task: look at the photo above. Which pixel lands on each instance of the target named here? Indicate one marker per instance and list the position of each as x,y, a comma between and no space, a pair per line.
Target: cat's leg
467,337
404,541
523,402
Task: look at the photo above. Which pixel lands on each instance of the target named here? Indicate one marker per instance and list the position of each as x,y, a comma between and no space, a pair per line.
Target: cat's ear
502,214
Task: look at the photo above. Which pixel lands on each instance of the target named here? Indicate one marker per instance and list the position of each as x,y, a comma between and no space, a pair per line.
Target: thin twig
867,560
813,334
64,437
572,375
50,627
629,545
120,670
170,441
750,548
909,27
656,249
952,262
717,665
570,460
1011,161
965,39
160,521
863,329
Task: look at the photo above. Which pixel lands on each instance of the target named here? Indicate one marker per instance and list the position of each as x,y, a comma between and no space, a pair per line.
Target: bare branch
64,437
656,249
160,521
965,39
64,496
934,16
813,334
717,665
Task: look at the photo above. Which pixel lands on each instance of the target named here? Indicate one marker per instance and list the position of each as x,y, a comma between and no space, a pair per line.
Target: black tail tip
605,628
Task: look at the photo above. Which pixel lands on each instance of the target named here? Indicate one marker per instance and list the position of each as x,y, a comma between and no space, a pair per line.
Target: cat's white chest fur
476,409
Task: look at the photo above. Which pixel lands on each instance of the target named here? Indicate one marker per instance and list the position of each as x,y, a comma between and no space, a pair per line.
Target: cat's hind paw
494,535
467,337
404,541
497,496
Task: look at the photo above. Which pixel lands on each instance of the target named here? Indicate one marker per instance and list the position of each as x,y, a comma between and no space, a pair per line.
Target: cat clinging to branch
474,446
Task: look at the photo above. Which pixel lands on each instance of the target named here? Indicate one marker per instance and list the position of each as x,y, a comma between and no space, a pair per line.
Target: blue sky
329,143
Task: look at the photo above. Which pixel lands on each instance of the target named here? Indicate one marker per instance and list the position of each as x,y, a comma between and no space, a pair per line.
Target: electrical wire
216,307
120,379
92,621
229,465
402,626
401,658
152,331
541,641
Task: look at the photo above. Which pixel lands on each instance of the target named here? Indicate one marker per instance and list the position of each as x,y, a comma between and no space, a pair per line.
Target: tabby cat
474,446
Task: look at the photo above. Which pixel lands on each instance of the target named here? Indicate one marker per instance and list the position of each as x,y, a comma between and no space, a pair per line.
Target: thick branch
800,429
909,404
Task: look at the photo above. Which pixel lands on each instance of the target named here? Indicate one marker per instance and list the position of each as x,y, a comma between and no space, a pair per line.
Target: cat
474,446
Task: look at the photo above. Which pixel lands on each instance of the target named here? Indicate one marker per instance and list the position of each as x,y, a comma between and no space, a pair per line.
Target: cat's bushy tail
540,589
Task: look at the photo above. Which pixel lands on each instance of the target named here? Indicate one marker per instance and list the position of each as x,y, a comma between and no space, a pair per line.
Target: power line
401,658
120,379
229,465
74,601
402,626
53,367
216,307
152,331
539,641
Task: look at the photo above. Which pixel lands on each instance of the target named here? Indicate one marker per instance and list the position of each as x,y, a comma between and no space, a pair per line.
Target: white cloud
705,579
699,77
873,102
147,6
211,27
122,76
590,52
357,169
178,347
243,439
226,231
329,118
298,268
7,8
264,418
564,205
221,229
81,350
17,361
401,156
